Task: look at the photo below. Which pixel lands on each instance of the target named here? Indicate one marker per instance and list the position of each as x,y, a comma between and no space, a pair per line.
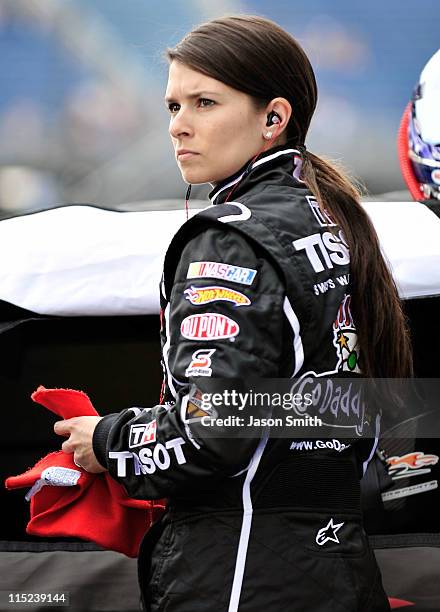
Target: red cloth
398,603
89,506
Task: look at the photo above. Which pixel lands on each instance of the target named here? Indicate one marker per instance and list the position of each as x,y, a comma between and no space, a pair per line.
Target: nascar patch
200,363
205,295
142,433
209,326
223,271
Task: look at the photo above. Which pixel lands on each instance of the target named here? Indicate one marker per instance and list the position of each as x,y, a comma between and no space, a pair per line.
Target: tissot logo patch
224,271
209,326
324,250
142,433
205,295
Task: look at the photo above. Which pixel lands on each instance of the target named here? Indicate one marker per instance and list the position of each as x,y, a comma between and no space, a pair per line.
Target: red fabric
96,508
399,603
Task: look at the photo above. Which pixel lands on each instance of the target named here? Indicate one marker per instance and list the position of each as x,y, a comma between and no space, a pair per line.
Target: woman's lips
186,155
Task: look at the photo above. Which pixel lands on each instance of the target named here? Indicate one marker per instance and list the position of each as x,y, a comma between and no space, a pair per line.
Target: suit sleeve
224,320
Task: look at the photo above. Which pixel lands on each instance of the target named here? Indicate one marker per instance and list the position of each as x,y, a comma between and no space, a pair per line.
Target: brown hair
256,56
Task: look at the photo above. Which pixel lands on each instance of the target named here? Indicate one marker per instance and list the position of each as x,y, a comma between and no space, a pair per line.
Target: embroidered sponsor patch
209,326
321,215
345,339
324,250
148,460
200,363
194,410
205,295
328,533
411,464
406,491
142,433
312,445
224,271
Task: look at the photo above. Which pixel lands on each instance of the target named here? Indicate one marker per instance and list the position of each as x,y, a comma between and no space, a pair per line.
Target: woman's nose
180,124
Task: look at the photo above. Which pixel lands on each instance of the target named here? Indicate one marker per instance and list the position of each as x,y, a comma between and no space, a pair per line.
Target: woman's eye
206,102
173,107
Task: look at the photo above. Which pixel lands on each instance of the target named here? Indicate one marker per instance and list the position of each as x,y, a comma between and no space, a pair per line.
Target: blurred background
82,118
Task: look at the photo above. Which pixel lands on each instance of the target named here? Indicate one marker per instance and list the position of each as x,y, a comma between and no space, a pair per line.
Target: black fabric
288,573
66,544
280,260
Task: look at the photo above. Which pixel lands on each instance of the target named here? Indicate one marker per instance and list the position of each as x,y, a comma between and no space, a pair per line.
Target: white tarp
82,260
409,233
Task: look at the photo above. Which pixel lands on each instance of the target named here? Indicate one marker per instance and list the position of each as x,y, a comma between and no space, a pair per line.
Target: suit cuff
100,437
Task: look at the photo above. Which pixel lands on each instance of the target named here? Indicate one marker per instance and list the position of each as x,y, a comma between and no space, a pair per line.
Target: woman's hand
80,431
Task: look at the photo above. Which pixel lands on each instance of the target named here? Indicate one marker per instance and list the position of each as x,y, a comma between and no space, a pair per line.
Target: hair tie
299,162
302,149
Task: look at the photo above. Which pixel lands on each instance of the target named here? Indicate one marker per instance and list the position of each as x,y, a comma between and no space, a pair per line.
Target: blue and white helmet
424,130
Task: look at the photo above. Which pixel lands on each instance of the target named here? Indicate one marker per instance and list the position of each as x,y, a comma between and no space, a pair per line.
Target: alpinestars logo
328,533
345,339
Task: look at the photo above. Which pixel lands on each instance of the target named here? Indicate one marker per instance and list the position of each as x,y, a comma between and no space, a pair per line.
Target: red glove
69,502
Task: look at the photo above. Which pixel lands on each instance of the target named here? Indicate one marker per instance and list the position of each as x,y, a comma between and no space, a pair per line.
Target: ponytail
381,326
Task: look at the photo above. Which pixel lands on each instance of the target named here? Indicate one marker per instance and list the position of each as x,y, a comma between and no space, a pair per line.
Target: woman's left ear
278,113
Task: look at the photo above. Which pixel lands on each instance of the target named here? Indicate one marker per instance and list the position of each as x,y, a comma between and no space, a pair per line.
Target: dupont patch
200,363
209,326
223,271
142,433
198,296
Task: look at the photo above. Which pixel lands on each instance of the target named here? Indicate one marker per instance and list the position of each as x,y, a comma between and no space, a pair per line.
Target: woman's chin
195,178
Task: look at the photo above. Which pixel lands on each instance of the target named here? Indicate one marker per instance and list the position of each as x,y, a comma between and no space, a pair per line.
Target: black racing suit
255,287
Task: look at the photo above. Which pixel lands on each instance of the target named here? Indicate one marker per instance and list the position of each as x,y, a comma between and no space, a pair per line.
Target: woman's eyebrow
197,94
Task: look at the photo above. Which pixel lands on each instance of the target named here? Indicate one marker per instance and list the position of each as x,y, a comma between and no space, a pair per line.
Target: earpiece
273,118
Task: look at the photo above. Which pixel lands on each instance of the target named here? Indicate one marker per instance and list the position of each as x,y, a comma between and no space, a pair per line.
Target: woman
258,284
